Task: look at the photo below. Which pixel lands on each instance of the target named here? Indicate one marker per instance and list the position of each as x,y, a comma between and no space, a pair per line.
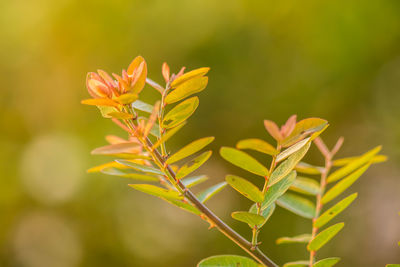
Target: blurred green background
339,60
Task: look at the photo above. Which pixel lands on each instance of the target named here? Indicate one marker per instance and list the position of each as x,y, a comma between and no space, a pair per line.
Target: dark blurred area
339,60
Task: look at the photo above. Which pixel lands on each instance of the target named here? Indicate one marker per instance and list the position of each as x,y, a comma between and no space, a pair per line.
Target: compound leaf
250,218
193,165
228,261
353,165
288,165
341,186
297,204
257,145
304,238
323,237
278,189
210,192
186,89
180,113
157,191
328,262
243,160
335,210
245,188
190,149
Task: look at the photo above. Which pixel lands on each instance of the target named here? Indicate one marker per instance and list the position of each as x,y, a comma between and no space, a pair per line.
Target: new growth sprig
143,156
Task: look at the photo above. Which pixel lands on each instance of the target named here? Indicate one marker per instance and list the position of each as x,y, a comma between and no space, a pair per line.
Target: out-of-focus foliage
269,59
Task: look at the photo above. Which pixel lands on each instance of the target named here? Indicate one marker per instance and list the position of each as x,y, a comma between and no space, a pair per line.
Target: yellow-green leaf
345,161
335,210
193,165
190,149
105,165
323,237
296,264
210,192
304,238
305,185
328,262
352,166
128,173
183,205
250,218
257,145
243,160
306,168
288,165
157,191
266,213
278,189
297,204
180,113
100,102
304,128
139,167
186,89
341,186
195,180
228,261
245,188
290,150
189,75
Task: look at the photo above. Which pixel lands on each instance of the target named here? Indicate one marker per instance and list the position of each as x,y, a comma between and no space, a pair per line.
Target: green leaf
297,204
228,261
165,137
195,180
352,166
290,150
266,213
209,192
306,168
139,167
297,264
190,149
335,210
180,113
345,161
250,218
186,89
341,186
183,205
278,189
188,76
323,237
304,128
243,160
304,238
128,147
305,185
157,191
257,145
105,111
128,173
193,165
142,106
392,265
127,98
245,188
328,262
288,165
